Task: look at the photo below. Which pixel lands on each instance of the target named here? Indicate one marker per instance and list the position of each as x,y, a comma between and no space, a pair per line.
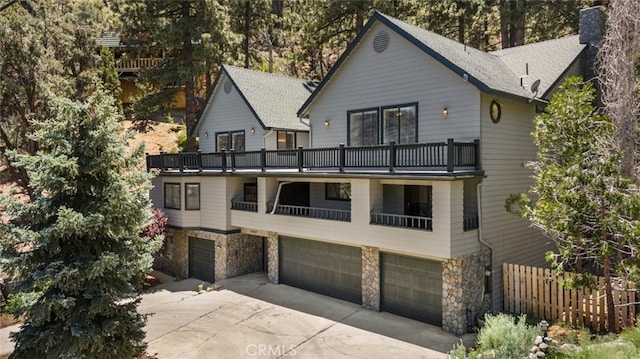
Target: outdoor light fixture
206,134
544,325
445,112
326,123
253,130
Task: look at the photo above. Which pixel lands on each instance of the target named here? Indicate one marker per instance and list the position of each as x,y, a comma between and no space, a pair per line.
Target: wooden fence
539,292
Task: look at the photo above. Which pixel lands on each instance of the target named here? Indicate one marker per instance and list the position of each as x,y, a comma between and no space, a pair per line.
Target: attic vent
380,42
227,86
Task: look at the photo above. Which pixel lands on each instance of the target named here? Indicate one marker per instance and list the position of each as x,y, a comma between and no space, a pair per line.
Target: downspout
275,203
308,125
481,238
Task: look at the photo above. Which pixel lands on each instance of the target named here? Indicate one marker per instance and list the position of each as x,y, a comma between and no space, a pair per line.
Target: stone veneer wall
235,253
371,278
462,291
273,263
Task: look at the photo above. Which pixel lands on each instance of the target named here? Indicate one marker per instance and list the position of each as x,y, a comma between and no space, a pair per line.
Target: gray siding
401,74
506,146
228,112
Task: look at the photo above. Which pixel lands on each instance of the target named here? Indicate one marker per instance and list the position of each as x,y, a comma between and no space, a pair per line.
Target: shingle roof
496,72
547,60
274,99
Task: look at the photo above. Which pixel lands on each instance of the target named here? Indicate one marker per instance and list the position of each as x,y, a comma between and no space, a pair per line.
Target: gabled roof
272,98
547,61
495,73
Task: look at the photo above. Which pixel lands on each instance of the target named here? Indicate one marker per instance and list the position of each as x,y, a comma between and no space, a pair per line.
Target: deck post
263,159
300,157
392,156
341,158
233,160
450,155
181,161
147,160
199,160
224,160
476,152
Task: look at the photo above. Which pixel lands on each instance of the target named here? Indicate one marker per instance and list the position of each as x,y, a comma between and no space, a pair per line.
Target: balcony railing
312,212
447,156
470,223
134,65
244,206
396,220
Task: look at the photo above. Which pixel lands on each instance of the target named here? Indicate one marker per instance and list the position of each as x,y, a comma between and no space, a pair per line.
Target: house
398,202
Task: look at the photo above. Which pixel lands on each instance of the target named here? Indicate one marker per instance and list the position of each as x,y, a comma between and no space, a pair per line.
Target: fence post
199,160
181,161
300,156
450,155
263,159
476,152
147,160
392,156
223,153
341,158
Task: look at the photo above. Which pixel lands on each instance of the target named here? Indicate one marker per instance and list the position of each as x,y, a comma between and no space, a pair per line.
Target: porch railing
131,65
244,206
396,220
312,212
470,223
441,155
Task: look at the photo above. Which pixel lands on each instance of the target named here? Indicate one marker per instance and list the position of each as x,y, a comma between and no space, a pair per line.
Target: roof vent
380,42
227,86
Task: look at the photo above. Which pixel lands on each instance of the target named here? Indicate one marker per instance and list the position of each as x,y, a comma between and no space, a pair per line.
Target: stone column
273,258
221,248
180,252
462,291
371,278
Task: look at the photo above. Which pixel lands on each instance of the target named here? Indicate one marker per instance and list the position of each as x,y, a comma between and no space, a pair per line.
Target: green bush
503,337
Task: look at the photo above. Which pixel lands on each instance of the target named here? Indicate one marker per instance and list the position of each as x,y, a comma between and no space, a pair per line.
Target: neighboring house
398,203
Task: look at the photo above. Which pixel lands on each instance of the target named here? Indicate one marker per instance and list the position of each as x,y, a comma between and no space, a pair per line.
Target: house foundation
463,294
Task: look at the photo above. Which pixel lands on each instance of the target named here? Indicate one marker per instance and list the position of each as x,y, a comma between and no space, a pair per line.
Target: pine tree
76,247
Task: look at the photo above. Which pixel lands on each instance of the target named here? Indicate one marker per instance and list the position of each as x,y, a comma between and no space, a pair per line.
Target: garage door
325,268
201,259
411,287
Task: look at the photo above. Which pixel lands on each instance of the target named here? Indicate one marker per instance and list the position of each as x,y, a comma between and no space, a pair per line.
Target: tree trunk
611,315
359,17
461,28
247,28
189,84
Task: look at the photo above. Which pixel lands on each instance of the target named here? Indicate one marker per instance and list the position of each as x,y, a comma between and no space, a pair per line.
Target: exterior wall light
253,130
206,134
445,112
326,123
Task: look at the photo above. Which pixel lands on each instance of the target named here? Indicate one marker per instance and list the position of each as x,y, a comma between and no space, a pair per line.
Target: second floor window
337,191
230,140
398,123
363,127
286,140
251,192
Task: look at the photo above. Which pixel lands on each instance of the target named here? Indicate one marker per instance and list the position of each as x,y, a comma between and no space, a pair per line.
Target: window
337,191
286,140
399,124
172,195
192,196
230,140
363,127
251,192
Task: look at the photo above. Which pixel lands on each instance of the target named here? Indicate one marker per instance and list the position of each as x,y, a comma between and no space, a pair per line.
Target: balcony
447,157
311,212
403,221
135,65
244,206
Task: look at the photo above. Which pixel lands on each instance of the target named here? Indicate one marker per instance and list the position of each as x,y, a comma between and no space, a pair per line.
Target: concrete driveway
247,317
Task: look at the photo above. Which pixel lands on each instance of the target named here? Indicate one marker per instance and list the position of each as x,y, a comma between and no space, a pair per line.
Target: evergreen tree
76,247
109,75
583,200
